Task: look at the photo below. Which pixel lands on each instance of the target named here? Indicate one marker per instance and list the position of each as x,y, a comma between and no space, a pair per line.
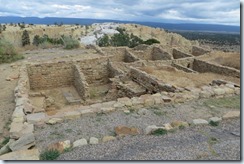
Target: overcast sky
173,11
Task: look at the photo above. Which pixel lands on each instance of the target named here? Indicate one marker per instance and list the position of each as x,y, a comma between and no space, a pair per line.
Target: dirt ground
7,103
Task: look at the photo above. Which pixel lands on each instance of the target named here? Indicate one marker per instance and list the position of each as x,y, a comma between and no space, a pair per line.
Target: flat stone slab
32,154
23,143
232,114
80,142
215,119
199,122
72,115
93,141
35,117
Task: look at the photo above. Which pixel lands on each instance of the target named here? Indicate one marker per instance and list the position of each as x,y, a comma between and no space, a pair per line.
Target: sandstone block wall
185,62
197,51
149,82
178,54
185,69
95,70
159,54
80,83
50,75
129,57
203,66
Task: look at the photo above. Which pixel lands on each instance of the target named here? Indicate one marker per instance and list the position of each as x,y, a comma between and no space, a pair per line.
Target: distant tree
135,41
103,41
36,40
25,38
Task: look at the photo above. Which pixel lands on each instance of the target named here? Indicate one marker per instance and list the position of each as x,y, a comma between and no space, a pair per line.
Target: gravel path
188,144
193,143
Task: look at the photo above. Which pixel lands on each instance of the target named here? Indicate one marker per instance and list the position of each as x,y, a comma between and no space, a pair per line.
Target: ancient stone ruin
119,79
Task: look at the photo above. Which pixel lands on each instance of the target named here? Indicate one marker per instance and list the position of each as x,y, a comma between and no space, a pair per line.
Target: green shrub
25,38
212,123
8,53
151,41
70,43
159,132
123,39
49,155
5,141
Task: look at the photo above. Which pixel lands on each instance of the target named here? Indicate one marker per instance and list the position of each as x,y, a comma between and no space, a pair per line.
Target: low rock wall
203,66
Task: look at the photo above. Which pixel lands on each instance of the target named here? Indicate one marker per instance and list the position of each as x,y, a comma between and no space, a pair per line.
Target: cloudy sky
172,11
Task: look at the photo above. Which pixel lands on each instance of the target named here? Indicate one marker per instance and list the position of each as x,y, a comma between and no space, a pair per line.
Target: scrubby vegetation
49,155
46,42
123,39
8,53
45,38
70,43
25,38
212,38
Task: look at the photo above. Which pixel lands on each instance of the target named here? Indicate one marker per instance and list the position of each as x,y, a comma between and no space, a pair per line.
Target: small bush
159,132
212,123
151,41
49,155
70,43
8,53
5,141
25,38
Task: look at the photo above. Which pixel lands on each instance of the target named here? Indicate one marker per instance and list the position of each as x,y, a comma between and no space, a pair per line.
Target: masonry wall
178,54
95,70
129,57
80,83
149,82
159,54
197,51
203,66
50,75
185,62
185,69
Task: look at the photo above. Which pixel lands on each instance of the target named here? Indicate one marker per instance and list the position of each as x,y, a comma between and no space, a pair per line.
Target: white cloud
192,11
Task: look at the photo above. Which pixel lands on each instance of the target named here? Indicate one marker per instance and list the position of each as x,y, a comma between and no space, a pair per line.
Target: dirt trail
7,103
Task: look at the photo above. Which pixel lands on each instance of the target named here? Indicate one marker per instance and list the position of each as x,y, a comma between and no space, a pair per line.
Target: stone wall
197,51
185,69
95,70
129,57
50,75
80,83
179,54
185,62
151,83
203,66
160,54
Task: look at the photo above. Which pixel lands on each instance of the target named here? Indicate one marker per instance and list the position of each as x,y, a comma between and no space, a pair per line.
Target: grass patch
4,142
226,102
159,112
212,123
181,127
49,155
159,132
55,134
68,149
70,43
8,53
